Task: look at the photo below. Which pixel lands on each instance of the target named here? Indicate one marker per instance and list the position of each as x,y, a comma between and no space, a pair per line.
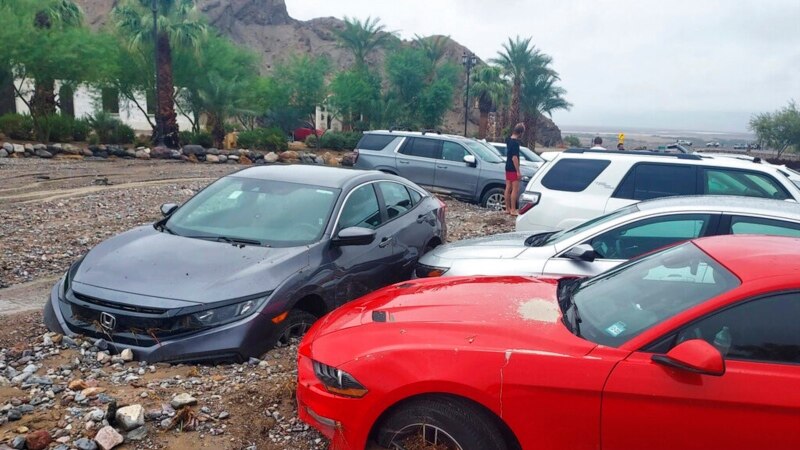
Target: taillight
528,200
355,156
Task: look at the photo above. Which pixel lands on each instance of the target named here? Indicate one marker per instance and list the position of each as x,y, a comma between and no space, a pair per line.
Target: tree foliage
780,129
363,38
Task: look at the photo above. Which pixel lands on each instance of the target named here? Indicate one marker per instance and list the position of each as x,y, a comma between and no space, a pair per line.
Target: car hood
146,262
481,313
506,245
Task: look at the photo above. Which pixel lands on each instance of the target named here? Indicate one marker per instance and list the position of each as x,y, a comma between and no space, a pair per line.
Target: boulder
43,154
130,417
19,148
223,158
192,158
70,149
233,158
29,148
349,160
38,440
108,438
3,153
130,153
271,157
8,146
141,154
196,150
212,158
244,160
289,156
212,151
127,355
330,159
175,154
85,444
137,434
160,153
181,400
86,152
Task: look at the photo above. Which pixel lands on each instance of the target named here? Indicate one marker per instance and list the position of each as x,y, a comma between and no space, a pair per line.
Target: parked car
607,241
301,133
740,146
527,156
463,168
713,144
684,142
249,262
578,185
700,339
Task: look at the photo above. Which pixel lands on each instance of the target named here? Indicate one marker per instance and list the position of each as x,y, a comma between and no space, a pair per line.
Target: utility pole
469,61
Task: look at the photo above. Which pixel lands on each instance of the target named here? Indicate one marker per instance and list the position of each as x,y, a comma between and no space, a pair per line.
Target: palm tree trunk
483,124
43,102
515,99
8,99
166,116
217,129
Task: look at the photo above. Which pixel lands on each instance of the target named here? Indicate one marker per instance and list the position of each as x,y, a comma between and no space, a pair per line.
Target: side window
742,183
759,330
631,240
396,198
757,225
361,209
415,196
453,152
573,175
374,142
646,181
422,148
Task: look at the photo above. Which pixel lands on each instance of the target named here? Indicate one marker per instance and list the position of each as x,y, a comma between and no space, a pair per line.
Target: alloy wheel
496,202
423,436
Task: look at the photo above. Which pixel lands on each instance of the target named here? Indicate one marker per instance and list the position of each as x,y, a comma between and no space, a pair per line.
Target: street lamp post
159,140
469,61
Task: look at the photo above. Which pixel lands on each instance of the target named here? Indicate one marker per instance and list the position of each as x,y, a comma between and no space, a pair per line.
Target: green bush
111,130
202,138
60,128
335,140
572,141
17,126
311,141
272,139
80,129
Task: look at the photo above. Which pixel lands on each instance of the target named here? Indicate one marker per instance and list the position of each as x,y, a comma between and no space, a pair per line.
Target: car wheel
494,199
440,423
292,329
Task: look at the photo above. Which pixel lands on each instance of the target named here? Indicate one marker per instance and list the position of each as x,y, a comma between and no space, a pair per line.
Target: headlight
337,381
228,313
64,287
423,271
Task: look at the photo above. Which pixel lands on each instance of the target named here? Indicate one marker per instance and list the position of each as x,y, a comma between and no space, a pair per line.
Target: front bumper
345,421
236,341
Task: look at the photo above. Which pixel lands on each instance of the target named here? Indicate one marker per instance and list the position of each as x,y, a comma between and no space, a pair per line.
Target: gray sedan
604,242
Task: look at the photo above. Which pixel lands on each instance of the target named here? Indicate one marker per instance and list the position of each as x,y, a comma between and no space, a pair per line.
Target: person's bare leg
509,188
512,200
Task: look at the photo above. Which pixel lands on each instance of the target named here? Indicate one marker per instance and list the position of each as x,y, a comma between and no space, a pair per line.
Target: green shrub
202,138
17,126
58,128
93,139
311,141
111,130
80,129
572,141
271,139
335,140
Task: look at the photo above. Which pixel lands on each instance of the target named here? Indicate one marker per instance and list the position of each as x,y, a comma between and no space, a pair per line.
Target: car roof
733,204
752,257
331,177
428,134
684,158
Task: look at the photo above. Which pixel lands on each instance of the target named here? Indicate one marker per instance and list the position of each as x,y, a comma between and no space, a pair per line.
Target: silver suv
464,168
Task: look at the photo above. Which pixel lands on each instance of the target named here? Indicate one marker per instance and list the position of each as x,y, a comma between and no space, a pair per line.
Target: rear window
423,148
574,175
374,142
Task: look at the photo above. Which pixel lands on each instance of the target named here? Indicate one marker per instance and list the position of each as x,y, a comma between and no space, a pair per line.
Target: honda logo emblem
108,321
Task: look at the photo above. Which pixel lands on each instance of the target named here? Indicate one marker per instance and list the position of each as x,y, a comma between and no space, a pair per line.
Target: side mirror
354,236
582,252
168,208
470,160
694,355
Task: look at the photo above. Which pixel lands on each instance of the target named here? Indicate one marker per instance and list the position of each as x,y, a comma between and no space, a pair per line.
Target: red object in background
499,345
300,134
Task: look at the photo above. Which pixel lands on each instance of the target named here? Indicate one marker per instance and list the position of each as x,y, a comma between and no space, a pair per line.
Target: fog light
322,420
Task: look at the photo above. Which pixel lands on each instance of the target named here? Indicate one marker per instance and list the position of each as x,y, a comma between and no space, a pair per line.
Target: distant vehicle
249,262
301,133
466,169
684,142
740,146
712,144
528,156
700,339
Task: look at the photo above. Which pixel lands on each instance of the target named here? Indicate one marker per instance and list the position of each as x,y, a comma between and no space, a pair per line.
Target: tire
494,199
293,327
451,423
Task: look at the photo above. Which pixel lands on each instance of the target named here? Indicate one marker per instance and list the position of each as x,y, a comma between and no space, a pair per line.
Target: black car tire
493,192
456,422
293,326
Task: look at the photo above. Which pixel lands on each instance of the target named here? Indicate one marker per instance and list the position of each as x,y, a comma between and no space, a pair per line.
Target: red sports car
694,347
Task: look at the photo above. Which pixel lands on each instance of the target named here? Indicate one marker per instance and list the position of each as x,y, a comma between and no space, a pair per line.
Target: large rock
349,159
8,146
271,157
130,417
38,440
196,150
43,154
19,148
212,158
181,400
3,153
289,156
141,154
108,438
160,153
70,149
85,444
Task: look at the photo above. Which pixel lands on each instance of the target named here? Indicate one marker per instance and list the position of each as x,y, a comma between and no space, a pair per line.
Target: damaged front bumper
235,341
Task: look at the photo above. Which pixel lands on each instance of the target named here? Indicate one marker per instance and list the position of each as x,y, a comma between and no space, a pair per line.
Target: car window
374,141
501,149
396,198
483,151
574,175
742,183
631,240
646,181
422,148
759,330
597,221
453,152
361,209
757,225
415,196
530,155
619,304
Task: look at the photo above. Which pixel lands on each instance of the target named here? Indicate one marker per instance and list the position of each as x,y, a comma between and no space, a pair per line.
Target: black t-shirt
512,150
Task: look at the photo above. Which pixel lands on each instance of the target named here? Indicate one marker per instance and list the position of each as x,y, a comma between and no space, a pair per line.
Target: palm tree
363,38
517,59
179,25
491,90
541,96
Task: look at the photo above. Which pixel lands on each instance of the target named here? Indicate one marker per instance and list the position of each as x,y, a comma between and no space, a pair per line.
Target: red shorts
512,176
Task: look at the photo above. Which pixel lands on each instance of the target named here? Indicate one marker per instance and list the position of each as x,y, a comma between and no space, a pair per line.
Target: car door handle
403,162
384,242
441,167
421,218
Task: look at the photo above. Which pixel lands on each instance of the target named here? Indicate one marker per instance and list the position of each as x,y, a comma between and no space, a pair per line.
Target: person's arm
516,164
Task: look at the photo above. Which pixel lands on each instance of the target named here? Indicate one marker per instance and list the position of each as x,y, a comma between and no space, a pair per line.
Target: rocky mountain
266,27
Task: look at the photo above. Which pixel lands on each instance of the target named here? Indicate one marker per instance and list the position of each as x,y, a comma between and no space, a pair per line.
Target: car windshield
278,214
530,155
619,304
483,151
566,234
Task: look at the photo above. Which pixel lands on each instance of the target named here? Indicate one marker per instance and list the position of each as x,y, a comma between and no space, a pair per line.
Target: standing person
598,144
512,169
621,147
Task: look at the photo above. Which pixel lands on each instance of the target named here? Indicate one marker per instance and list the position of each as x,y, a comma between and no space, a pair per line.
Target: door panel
453,174
566,266
416,160
408,225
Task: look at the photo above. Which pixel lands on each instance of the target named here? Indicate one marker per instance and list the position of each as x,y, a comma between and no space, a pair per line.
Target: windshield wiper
164,227
239,241
537,239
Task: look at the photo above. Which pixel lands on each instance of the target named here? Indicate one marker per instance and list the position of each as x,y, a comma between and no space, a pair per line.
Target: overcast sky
678,64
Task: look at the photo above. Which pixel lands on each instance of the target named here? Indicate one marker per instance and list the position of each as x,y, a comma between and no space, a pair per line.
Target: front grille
134,325
119,306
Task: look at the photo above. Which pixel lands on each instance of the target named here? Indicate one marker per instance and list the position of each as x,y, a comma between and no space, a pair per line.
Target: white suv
578,185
